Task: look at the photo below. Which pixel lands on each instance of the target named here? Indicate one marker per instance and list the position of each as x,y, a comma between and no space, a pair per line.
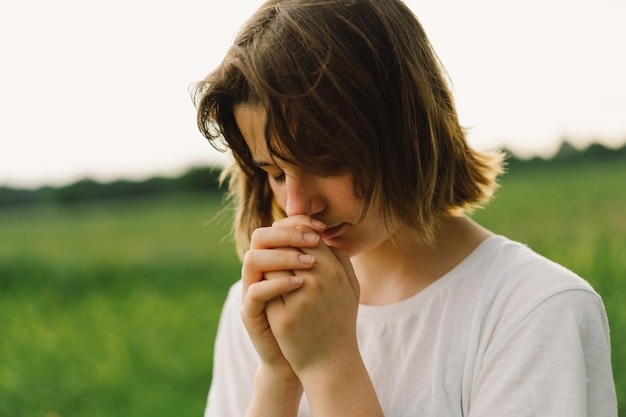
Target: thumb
344,259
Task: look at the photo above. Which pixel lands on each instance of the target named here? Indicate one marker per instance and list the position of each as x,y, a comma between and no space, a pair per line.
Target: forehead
252,121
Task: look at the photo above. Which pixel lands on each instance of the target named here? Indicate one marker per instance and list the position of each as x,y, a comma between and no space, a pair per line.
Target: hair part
348,85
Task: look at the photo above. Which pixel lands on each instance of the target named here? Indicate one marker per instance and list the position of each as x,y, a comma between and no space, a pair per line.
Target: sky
101,89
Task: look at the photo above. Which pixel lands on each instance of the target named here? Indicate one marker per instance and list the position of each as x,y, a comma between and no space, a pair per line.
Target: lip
332,232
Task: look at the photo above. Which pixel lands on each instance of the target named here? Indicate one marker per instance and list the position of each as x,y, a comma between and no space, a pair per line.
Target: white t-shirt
505,333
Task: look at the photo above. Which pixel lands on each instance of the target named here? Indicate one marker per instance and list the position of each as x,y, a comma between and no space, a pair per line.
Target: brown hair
348,85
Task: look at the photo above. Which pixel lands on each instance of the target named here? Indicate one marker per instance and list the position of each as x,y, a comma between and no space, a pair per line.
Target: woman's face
329,199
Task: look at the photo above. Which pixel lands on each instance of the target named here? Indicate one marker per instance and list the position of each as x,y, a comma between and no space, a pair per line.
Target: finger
262,292
301,220
278,274
327,260
258,261
295,236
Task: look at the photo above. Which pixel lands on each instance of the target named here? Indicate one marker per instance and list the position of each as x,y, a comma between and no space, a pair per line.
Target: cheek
280,196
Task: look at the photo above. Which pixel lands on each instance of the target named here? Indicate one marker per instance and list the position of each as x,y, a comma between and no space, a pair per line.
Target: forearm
274,395
345,390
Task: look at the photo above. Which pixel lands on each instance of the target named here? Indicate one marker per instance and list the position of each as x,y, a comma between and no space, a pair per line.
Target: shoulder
232,305
538,327
234,294
510,266
234,361
517,283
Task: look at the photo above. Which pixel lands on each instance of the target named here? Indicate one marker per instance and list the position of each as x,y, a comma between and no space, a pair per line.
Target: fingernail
311,237
318,224
306,259
296,280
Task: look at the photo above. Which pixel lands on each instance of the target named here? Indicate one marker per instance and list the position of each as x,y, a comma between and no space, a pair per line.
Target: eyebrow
261,164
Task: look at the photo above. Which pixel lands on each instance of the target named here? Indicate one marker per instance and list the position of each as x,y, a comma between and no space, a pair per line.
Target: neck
401,267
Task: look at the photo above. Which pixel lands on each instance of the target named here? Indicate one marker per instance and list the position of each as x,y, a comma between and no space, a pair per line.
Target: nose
304,195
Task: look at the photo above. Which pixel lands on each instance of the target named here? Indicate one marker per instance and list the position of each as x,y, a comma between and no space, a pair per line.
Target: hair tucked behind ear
348,85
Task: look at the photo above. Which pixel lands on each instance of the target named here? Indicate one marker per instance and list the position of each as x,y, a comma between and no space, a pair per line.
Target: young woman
365,289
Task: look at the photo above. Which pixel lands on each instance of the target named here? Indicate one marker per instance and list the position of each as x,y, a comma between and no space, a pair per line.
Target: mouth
331,232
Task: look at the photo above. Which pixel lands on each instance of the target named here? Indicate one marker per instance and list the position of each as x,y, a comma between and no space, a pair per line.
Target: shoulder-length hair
348,85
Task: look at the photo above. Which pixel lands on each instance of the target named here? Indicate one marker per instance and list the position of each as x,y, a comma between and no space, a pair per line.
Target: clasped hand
300,298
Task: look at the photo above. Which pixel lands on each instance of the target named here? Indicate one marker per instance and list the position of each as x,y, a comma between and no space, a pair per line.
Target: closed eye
279,178
275,173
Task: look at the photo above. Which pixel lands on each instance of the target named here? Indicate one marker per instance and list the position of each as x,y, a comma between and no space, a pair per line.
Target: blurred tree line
206,180
568,154
195,180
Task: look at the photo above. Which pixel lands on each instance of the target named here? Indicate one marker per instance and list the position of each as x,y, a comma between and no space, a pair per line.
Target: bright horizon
101,91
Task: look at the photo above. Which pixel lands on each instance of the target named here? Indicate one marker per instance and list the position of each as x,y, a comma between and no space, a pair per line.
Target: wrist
276,393
327,387
279,378
332,373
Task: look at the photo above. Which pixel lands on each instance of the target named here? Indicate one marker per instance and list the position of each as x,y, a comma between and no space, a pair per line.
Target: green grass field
111,309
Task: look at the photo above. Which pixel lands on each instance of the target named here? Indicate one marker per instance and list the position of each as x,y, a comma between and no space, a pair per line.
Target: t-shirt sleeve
553,360
234,362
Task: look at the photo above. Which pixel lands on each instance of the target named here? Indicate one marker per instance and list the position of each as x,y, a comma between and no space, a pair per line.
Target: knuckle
256,235
253,295
250,268
295,233
249,258
287,323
